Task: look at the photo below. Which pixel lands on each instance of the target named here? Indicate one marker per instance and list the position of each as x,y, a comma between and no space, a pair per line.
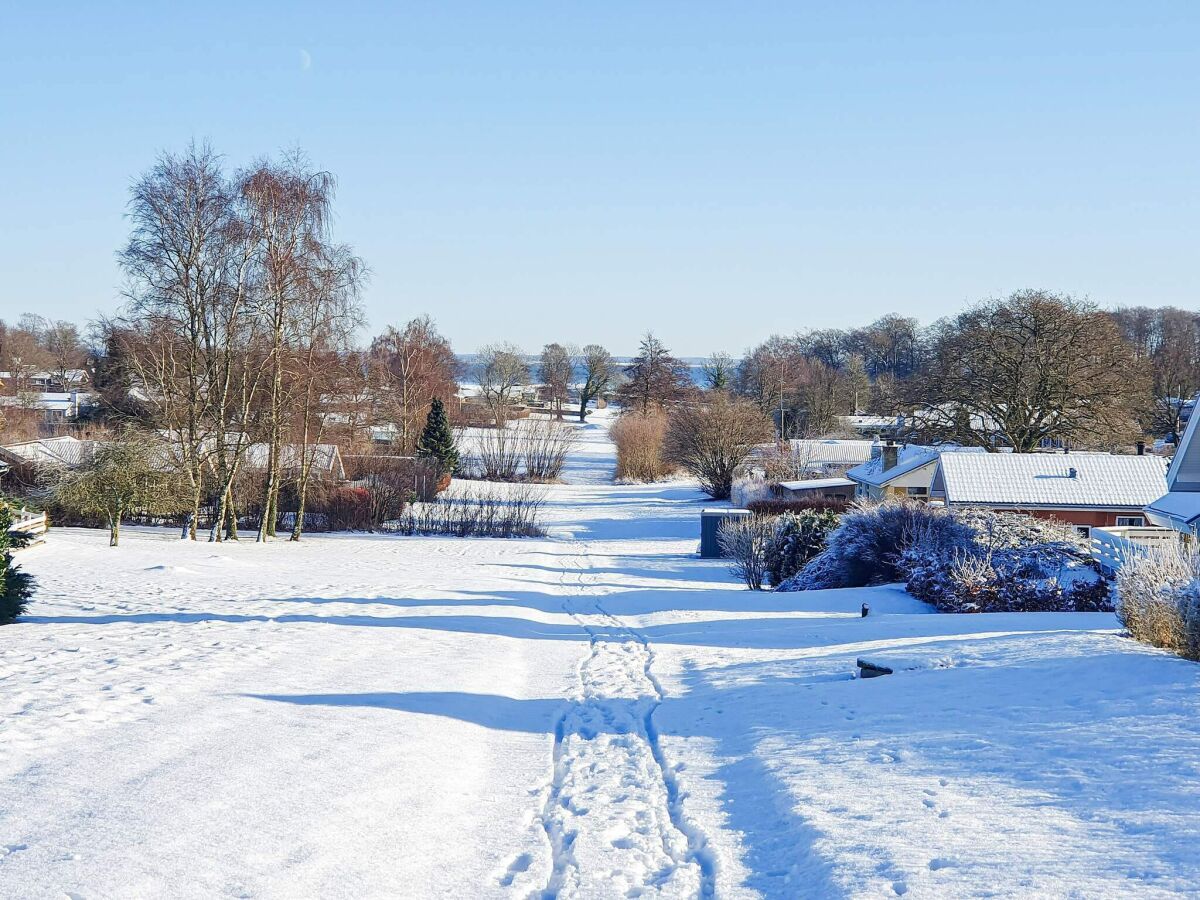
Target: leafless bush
1158,599
498,454
745,540
711,440
505,512
639,438
545,445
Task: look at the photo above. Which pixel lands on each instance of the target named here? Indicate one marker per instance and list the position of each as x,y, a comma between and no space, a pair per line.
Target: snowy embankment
594,714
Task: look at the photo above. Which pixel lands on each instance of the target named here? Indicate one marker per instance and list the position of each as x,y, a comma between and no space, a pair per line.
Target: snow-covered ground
595,714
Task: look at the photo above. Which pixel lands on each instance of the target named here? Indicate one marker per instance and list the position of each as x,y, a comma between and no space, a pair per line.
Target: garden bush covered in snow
1158,599
960,561
1014,563
867,546
795,539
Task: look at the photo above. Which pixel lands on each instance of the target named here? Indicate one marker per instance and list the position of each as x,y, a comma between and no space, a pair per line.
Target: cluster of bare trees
38,354
1030,368
1166,344
241,309
409,368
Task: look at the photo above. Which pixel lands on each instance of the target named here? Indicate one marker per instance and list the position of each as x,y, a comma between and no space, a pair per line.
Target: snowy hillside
594,714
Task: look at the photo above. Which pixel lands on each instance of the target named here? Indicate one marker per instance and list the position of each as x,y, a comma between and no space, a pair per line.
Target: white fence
1112,546
29,522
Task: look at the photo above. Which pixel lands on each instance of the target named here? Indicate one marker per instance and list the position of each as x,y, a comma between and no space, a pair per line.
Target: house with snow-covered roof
815,457
900,471
1178,507
833,488
60,452
1087,490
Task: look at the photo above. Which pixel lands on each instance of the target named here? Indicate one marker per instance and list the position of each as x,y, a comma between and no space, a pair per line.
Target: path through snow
594,714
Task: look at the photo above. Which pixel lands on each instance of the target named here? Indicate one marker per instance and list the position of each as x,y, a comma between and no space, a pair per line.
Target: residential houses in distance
1087,490
900,472
53,399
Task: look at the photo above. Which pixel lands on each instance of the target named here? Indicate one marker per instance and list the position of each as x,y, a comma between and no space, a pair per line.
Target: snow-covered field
595,714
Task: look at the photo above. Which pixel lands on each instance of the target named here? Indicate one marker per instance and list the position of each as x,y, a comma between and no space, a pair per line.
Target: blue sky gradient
576,172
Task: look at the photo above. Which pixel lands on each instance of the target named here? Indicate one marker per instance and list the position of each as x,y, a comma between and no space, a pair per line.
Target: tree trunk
197,490
114,530
298,526
231,528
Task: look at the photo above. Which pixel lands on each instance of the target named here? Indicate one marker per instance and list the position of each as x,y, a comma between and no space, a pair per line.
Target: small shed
711,521
814,489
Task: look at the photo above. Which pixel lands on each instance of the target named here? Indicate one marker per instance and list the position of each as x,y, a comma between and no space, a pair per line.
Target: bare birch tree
287,205
416,364
176,266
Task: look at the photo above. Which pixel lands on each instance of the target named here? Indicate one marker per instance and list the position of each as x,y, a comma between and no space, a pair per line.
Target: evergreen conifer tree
15,585
437,440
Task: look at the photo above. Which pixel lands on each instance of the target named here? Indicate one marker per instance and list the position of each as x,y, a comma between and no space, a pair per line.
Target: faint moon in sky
305,60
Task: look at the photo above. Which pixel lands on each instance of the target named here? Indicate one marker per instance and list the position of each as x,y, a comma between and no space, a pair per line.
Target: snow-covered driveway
595,714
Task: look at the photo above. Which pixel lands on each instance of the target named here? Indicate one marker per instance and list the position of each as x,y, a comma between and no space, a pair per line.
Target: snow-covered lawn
598,713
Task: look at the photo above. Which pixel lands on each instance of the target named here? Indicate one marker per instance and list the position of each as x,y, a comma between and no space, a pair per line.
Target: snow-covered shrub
1159,599
744,540
1013,563
796,539
1009,530
868,545
749,489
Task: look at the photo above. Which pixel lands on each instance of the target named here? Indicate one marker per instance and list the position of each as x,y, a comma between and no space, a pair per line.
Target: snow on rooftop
833,450
1177,508
1046,480
813,484
909,458
66,451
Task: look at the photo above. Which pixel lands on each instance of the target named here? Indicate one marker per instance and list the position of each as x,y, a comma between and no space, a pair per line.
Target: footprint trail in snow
612,811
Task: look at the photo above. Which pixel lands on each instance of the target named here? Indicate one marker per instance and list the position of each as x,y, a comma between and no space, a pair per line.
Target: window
917,491
1131,521
1084,530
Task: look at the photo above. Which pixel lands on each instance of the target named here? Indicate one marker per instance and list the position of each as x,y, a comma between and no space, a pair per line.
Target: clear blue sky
571,171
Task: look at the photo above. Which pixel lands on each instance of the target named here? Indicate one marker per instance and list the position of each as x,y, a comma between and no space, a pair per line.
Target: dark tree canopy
1030,368
656,379
597,372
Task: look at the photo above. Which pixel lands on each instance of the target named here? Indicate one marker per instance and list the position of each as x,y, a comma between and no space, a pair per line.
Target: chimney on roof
891,455
1141,448
1072,472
